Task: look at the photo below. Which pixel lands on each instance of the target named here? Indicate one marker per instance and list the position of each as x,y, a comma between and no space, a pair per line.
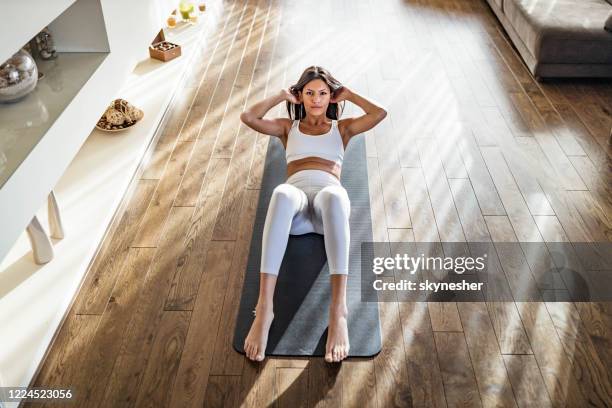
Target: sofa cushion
562,31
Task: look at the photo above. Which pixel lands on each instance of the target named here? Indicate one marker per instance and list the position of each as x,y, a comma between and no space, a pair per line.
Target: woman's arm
253,116
374,113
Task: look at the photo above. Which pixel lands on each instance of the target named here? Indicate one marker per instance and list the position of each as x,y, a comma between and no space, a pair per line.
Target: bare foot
256,340
337,347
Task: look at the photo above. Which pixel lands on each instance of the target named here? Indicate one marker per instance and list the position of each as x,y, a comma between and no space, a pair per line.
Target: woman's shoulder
287,122
342,124
287,125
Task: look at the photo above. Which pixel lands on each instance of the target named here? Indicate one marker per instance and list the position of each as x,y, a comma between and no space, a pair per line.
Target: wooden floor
473,149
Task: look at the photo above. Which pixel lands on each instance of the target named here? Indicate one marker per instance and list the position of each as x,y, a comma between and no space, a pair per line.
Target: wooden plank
248,143
504,315
520,168
324,384
558,198
200,105
518,212
274,82
377,209
394,195
184,288
359,383
589,369
598,222
386,135
195,174
226,226
204,123
484,188
292,386
527,382
473,223
426,386
98,359
595,115
447,219
554,363
241,70
550,228
167,347
597,320
444,317
516,268
258,386
113,251
489,369
225,359
599,182
196,359
457,372
419,206
60,368
446,144
549,144
157,213
153,167
123,385
221,391
392,380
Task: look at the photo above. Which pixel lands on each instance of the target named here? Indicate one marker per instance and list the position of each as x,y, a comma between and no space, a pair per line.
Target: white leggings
309,201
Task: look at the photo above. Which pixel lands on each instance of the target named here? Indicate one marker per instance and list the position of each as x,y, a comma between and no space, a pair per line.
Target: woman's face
315,96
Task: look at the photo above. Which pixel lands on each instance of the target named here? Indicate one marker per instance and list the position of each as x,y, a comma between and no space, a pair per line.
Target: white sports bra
327,146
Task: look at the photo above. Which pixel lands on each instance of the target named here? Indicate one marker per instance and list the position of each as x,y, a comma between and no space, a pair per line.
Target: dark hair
309,74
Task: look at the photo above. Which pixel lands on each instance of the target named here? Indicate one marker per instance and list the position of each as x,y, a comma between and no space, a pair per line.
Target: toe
328,357
335,354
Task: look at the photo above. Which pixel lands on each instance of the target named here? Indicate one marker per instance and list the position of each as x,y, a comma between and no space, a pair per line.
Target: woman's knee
286,193
334,199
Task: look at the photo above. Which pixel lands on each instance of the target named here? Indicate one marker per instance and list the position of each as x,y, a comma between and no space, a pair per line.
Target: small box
163,50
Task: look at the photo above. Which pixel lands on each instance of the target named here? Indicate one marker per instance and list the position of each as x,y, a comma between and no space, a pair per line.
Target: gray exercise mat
303,291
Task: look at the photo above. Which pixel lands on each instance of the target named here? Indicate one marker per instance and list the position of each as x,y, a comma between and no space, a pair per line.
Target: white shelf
25,122
35,298
129,28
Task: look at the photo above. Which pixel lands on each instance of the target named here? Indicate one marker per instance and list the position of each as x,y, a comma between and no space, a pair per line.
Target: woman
312,199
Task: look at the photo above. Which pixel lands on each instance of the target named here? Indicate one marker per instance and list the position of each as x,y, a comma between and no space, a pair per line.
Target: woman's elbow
244,117
382,114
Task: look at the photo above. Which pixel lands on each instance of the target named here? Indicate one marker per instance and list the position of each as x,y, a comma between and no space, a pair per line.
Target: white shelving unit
89,172
25,123
128,28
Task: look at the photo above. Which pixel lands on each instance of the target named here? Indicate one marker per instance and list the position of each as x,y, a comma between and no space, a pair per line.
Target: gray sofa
560,38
